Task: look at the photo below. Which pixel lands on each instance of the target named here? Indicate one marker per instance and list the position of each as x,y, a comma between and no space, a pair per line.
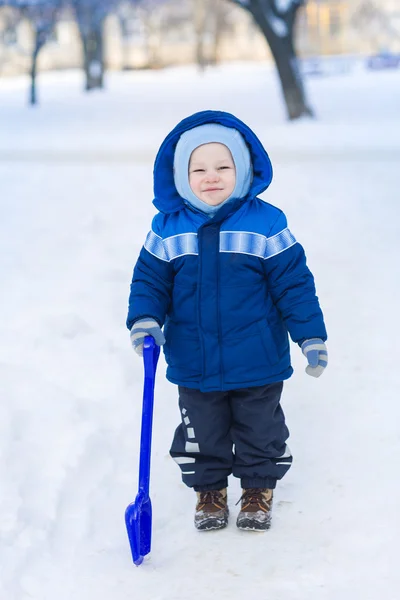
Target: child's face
212,173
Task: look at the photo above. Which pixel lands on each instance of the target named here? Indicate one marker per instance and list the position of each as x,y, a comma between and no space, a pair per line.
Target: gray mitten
143,327
317,356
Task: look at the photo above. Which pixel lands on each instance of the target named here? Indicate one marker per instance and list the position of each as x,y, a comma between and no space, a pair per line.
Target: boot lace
213,497
254,497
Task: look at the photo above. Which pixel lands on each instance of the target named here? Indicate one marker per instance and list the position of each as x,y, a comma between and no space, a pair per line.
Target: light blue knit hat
205,134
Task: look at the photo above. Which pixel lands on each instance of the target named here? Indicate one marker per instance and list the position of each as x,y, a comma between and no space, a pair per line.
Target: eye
224,167
198,171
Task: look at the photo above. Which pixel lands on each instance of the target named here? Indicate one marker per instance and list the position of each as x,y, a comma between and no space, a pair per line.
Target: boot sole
250,525
211,524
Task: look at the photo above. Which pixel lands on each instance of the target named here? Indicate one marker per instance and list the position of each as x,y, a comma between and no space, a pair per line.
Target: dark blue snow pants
241,432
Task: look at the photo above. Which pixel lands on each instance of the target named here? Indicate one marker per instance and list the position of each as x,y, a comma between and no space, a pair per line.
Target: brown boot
255,512
211,510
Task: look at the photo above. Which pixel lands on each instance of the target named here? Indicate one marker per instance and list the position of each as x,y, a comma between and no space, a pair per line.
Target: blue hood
166,197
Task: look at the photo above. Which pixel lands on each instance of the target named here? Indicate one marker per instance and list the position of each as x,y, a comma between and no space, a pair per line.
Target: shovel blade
138,525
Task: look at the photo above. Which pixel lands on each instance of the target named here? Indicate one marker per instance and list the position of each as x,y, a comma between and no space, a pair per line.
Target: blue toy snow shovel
138,514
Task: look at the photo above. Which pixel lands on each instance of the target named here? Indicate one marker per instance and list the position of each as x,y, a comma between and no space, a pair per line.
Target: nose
212,176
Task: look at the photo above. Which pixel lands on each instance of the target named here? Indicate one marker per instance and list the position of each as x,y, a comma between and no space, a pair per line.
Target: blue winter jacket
228,289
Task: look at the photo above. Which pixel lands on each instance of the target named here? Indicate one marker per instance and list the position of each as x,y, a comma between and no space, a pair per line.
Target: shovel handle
151,353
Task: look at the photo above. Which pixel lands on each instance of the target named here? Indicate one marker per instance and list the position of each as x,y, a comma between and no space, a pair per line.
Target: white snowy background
75,206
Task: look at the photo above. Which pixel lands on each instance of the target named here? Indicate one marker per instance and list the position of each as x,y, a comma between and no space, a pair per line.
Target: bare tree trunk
199,24
90,18
33,95
43,19
278,30
219,15
40,38
93,58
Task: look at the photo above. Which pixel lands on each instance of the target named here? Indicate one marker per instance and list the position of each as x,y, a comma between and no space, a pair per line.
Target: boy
224,276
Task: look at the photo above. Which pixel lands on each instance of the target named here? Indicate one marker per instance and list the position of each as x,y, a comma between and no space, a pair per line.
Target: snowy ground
75,205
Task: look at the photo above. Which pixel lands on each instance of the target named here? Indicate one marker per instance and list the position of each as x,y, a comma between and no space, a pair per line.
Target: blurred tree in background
207,19
277,19
90,16
146,14
43,15
375,23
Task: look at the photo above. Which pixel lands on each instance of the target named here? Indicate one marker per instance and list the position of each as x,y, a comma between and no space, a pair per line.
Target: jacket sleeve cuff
130,322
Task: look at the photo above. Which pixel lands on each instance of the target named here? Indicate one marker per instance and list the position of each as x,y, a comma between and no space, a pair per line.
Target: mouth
213,189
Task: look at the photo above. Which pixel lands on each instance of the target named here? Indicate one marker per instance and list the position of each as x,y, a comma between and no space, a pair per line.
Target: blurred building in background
203,31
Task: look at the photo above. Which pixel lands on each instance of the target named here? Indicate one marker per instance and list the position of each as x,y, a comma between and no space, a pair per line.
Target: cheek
233,180
193,181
